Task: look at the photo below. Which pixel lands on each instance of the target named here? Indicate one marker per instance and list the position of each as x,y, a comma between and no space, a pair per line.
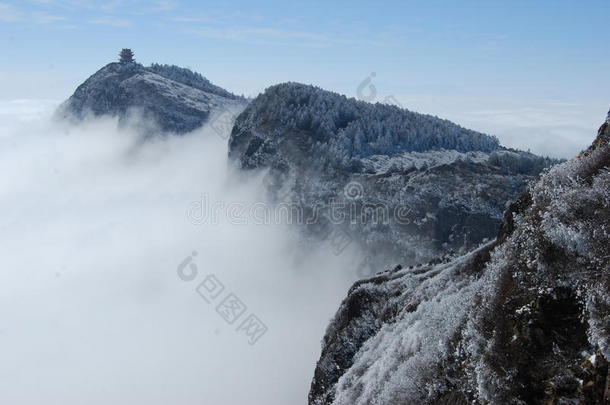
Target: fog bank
92,308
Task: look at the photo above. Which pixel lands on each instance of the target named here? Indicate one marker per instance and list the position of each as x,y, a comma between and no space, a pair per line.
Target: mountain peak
177,99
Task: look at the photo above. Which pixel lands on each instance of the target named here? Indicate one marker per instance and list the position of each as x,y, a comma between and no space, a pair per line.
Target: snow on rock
442,188
168,97
524,319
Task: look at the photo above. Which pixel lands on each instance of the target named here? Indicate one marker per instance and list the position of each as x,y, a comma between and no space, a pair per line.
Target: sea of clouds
93,310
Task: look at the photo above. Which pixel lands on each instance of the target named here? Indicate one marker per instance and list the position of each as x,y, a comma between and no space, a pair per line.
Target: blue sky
531,72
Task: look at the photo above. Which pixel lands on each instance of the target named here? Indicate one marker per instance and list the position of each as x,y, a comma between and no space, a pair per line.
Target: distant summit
176,99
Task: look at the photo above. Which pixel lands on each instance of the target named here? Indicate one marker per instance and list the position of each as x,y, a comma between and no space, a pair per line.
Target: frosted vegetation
507,160
452,183
171,99
349,129
522,320
190,78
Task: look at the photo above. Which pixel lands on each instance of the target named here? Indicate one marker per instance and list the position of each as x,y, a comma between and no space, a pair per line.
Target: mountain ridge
316,144
352,127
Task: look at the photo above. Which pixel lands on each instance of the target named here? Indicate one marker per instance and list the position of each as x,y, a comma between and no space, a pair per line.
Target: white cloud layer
546,127
92,311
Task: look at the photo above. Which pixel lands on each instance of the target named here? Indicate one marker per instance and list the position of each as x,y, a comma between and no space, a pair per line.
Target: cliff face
524,319
442,188
170,98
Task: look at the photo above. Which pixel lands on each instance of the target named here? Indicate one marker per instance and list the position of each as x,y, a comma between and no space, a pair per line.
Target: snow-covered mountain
410,186
524,319
174,99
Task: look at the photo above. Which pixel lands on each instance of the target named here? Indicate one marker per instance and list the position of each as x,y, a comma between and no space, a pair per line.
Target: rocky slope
404,186
524,319
168,97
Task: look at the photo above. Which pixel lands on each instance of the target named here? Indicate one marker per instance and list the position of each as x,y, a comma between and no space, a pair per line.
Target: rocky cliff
524,319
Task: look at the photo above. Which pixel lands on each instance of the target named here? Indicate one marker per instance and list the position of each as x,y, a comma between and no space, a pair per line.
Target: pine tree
126,56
